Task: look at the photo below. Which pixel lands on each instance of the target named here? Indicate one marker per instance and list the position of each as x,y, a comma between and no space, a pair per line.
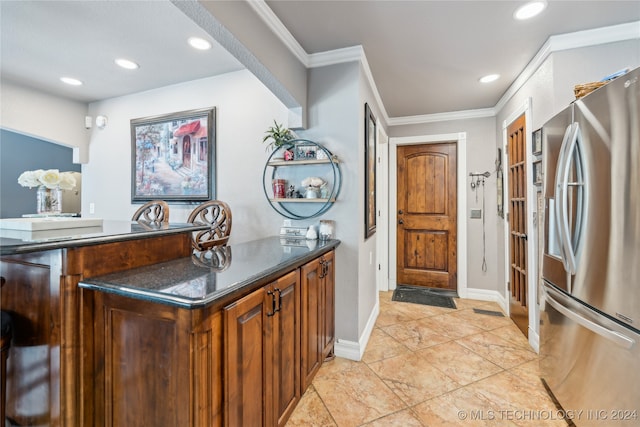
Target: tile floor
431,366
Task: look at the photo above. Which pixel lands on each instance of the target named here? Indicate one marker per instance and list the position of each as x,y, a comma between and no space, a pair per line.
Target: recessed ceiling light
199,43
530,9
489,78
71,81
125,63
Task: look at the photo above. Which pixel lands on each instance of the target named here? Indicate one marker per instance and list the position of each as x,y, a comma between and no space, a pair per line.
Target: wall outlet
92,208
476,214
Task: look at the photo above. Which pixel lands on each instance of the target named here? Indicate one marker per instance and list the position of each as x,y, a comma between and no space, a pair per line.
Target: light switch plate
476,214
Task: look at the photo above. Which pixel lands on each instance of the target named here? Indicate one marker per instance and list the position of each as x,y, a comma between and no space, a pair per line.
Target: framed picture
173,157
369,172
304,151
536,145
537,172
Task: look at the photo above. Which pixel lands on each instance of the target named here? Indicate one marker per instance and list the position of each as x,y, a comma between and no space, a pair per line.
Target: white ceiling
425,56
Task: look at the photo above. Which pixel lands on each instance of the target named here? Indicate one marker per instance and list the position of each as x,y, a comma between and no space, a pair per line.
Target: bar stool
6,331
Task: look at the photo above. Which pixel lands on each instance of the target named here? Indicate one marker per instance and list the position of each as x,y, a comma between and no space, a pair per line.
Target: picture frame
537,172
304,151
536,145
369,172
173,157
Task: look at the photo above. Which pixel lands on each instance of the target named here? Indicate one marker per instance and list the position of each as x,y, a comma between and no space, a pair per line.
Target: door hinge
379,267
507,216
509,286
506,150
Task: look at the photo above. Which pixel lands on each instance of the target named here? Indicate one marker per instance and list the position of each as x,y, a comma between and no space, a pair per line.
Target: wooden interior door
427,216
518,283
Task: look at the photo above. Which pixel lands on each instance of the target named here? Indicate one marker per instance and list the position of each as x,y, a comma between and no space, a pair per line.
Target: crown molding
442,117
337,56
557,43
593,37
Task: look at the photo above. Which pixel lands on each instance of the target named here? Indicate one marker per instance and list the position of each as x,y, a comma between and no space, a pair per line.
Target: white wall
244,110
47,117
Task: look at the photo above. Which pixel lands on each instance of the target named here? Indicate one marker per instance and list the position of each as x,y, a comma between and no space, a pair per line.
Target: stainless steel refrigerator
590,295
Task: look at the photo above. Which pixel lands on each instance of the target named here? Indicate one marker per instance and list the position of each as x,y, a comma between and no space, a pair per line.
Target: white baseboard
486,295
534,340
354,350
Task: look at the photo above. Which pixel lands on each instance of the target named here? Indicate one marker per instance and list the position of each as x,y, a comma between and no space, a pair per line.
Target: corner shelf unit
294,171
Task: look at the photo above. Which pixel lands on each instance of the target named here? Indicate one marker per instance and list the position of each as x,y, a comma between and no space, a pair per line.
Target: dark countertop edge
96,240
223,297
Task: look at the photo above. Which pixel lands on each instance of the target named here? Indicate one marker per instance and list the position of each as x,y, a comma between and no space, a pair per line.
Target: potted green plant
277,136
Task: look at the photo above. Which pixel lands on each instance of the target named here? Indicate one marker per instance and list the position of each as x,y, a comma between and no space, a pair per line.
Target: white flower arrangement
312,181
51,178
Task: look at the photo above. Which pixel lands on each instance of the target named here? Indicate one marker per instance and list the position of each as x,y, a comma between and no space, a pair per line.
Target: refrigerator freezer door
553,134
608,277
588,361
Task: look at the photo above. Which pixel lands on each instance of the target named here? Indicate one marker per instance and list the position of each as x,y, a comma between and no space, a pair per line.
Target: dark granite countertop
209,277
18,241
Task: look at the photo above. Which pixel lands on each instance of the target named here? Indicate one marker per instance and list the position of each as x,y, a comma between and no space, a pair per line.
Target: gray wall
19,153
333,120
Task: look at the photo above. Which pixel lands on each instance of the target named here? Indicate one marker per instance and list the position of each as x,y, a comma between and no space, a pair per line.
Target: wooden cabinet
49,381
156,365
317,315
262,348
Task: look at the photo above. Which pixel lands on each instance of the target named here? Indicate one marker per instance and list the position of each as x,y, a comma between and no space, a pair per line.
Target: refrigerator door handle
618,338
562,196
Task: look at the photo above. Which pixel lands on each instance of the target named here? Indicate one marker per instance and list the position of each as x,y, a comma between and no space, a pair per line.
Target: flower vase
49,200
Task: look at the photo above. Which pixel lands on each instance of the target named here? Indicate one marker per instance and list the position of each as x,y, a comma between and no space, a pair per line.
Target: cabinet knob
400,221
400,212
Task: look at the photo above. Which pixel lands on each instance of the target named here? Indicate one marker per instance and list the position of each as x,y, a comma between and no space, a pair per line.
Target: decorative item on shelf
277,136
322,155
326,229
50,184
291,192
305,151
313,185
288,155
279,186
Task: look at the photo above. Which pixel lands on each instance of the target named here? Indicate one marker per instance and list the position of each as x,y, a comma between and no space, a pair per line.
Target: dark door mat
422,296
488,312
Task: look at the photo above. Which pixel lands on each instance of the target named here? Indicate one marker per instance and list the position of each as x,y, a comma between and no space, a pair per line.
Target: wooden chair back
218,215
155,211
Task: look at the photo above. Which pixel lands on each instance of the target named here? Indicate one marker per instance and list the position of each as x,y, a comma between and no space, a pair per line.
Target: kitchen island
42,269
230,336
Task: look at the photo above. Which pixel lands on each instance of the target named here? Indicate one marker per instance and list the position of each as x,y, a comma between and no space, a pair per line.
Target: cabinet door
311,322
285,328
328,305
244,360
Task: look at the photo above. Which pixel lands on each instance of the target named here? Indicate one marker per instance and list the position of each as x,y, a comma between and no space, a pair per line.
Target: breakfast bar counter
231,336
212,277
41,263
